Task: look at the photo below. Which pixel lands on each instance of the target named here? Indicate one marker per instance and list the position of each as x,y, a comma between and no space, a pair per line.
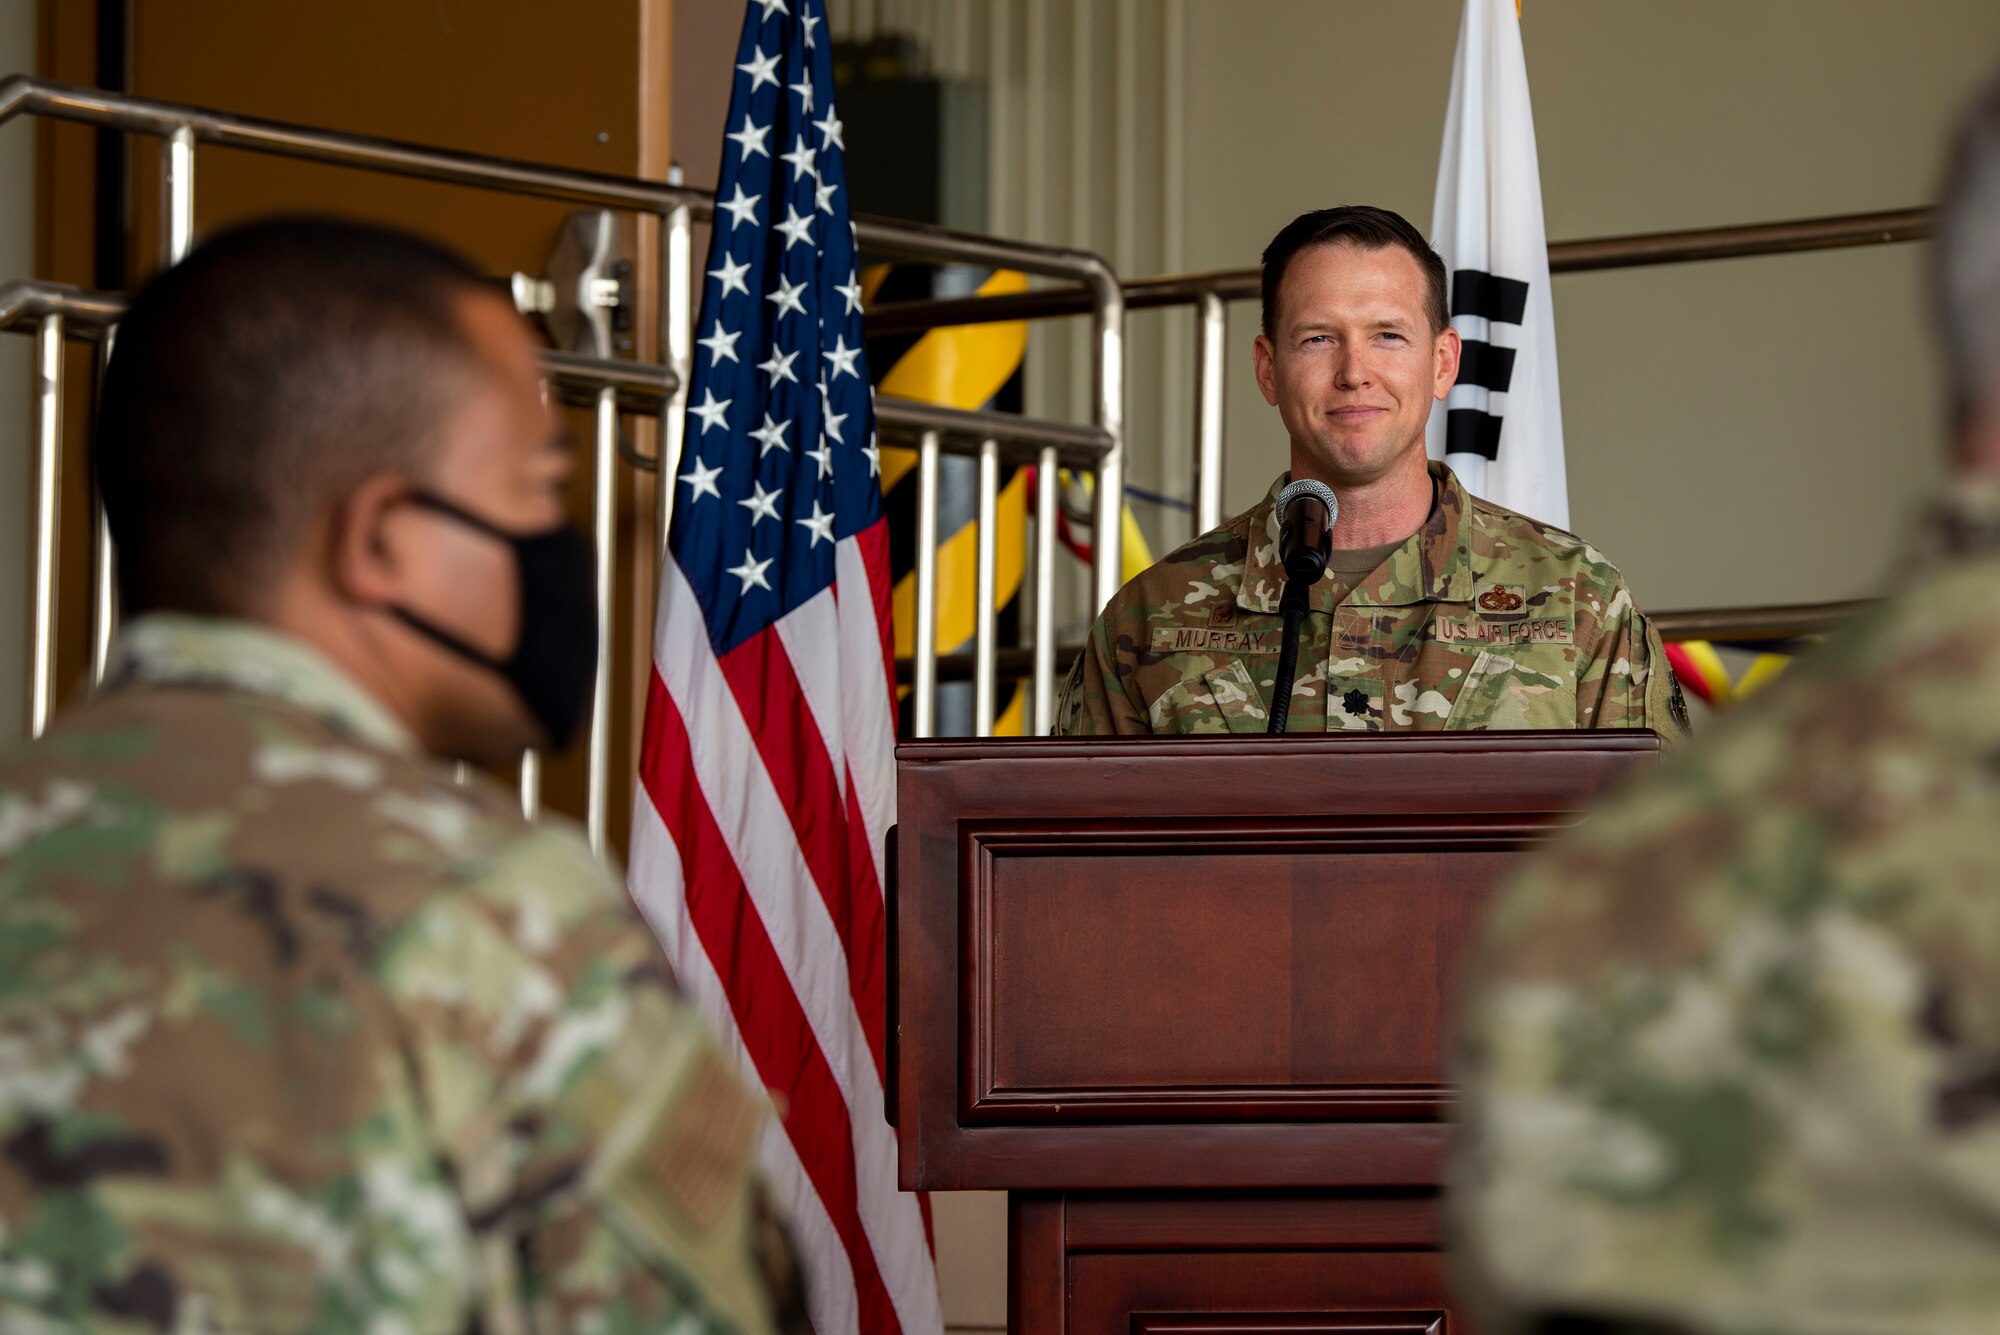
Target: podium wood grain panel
1199,963
1197,974
1366,1266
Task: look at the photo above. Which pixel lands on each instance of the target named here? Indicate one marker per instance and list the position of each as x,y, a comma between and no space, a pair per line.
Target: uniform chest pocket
1507,691
1222,699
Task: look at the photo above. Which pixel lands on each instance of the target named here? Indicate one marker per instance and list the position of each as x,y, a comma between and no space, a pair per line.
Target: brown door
581,84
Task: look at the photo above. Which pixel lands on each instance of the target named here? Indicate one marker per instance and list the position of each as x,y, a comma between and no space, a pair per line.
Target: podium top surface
1282,745
1227,776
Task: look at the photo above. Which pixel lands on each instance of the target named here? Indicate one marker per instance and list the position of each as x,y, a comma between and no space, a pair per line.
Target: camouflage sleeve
601,1142
1728,1049
1093,701
1628,683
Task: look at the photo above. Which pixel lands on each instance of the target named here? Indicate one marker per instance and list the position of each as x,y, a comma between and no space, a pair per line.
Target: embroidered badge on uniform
1502,600
1355,702
1503,615
701,1156
1214,640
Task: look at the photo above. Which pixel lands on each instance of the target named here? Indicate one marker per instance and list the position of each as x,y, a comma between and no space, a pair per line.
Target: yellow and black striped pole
971,367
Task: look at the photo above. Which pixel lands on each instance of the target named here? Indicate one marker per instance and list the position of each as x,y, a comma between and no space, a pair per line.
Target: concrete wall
17,260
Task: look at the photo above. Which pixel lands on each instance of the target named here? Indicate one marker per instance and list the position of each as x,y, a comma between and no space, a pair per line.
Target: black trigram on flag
1483,362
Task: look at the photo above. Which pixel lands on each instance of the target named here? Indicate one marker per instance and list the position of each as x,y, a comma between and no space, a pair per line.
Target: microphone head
1306,511
1308,487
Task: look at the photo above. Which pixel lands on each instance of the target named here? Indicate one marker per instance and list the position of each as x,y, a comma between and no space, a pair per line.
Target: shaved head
255,383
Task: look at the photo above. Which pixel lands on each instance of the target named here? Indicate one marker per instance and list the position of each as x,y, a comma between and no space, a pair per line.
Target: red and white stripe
767,784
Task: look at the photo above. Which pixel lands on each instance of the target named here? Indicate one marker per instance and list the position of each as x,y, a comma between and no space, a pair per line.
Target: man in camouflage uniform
296,1033
1438,610
1731,1058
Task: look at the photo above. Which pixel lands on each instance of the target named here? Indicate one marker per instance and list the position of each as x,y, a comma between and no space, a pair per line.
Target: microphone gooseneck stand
1306,511
1292,605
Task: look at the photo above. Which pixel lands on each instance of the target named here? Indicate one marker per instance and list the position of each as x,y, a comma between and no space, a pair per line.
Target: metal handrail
609,386
88,314
1583,256
1211,292
640,388
1762,626
22,94
1776,629
1021,440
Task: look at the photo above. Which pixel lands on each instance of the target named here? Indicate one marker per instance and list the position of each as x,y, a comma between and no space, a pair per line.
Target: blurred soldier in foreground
296,1034
1732,1059
1437,610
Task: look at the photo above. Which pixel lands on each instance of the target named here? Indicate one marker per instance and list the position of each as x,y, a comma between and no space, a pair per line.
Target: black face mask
555,657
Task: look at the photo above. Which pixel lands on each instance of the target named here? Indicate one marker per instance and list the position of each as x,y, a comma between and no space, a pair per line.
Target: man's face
500,456
1352,365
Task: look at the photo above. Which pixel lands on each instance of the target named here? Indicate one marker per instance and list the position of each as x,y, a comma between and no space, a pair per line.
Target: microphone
1306,511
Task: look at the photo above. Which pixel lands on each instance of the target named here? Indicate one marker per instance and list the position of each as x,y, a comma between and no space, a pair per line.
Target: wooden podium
1184,999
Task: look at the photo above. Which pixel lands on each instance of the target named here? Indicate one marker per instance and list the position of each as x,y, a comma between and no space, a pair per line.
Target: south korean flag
1501,427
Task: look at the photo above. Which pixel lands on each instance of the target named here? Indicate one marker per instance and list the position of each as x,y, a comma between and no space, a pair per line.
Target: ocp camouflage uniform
298,1035
1731,1059
1482,619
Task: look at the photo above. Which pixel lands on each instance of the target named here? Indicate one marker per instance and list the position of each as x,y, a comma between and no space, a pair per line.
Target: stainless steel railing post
603,530
48,493
103,591
985,646
1108,381
176,239
531,785
177,163
923,691
677,345
1211,328
1045,592
104,584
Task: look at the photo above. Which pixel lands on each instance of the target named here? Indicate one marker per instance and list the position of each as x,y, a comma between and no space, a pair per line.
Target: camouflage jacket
1731,1054
1482,619
297,1034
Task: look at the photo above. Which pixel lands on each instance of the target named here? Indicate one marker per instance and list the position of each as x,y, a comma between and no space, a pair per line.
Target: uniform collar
1432,565
167,649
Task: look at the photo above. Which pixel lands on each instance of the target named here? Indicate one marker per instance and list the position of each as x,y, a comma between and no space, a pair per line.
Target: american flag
767,774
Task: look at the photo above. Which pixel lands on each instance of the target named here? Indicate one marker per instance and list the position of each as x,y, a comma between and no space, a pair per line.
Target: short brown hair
1359,225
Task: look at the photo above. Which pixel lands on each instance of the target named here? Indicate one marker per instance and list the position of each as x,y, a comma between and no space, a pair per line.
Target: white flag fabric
1501,427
